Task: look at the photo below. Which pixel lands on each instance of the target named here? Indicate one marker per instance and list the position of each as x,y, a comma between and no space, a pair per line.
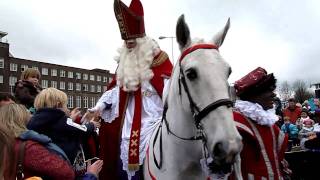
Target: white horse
198,121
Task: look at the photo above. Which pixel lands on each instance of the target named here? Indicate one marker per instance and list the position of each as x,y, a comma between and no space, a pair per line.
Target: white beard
134,64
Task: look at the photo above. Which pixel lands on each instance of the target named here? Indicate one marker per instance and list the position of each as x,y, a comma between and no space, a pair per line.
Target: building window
1,79
54,72
93,101
54,84
85,76
91,77
78,87
99,78
92,88
105,79
85,102
78,75
62,85
70,86
13,67
78,101
70,74
85,87
44,83
98,88
24,67
44,71
1,63
12,80
35,67
62,73
70,101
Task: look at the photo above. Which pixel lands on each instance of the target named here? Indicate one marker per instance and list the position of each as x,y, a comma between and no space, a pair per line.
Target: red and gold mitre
130,19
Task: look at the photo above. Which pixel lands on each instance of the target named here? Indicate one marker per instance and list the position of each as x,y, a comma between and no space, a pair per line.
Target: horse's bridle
198,114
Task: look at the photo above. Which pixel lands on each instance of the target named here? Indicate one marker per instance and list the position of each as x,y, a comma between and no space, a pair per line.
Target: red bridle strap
196,47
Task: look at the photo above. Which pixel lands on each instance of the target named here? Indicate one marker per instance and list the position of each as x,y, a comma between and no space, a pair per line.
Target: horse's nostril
218,150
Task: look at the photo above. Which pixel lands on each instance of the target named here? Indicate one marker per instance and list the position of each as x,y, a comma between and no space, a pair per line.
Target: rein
197,114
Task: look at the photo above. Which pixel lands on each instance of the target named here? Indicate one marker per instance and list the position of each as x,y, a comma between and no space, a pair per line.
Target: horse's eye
191,74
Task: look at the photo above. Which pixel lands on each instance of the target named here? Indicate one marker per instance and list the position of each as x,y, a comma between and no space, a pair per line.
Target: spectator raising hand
95,168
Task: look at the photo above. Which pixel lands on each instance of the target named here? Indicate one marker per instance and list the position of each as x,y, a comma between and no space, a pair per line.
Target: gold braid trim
133,167
162,57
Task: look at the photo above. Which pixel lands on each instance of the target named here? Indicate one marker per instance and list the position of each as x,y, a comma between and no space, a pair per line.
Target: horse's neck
179,121
180,155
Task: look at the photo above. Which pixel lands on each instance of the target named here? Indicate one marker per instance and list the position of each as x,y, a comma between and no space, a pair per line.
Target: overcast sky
281,36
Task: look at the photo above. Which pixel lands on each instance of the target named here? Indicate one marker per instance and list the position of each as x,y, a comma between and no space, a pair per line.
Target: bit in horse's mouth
216,168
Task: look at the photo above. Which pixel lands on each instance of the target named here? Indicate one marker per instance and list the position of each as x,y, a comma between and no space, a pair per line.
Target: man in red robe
132,107
263,142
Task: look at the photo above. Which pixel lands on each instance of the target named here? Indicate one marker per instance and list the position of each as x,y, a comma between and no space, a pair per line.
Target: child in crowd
291,130
307,129
27,88
303,117
52,118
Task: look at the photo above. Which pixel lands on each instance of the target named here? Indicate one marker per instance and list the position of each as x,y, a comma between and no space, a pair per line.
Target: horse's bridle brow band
196,47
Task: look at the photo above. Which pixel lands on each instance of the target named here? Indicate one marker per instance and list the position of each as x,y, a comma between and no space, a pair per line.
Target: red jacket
263,149
38,161
292,114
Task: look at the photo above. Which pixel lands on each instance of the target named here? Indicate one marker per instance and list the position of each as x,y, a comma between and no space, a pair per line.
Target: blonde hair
51,98
6,152
30,72
286,118
14,118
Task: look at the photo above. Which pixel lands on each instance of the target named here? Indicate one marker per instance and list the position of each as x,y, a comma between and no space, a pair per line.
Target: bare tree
301,92
285,91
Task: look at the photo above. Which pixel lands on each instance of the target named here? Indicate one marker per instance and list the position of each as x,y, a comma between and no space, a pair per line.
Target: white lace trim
110,97
255,112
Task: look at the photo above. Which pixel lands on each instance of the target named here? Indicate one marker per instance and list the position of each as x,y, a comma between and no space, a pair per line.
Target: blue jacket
61,129
291,130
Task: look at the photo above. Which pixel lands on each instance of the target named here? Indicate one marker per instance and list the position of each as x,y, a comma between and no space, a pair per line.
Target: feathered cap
130,19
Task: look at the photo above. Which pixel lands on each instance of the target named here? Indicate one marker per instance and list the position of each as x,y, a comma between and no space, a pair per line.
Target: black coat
53,123
25,92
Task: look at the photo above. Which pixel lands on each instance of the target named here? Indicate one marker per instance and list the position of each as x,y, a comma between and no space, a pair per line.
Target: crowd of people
40,138
301,123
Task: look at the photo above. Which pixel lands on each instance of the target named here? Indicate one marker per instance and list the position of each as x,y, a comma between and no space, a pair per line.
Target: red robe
263,149
110,133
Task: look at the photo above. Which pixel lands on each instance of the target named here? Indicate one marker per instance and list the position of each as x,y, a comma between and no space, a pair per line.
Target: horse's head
201,80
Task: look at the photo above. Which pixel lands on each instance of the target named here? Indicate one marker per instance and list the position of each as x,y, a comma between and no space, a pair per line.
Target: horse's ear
182,33
219,37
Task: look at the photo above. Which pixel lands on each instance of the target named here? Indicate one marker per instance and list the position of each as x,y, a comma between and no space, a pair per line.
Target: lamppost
170,37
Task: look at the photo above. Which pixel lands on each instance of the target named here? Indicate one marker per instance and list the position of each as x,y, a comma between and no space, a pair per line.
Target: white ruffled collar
255,112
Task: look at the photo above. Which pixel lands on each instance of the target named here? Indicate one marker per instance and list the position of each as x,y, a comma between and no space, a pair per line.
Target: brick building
83,86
